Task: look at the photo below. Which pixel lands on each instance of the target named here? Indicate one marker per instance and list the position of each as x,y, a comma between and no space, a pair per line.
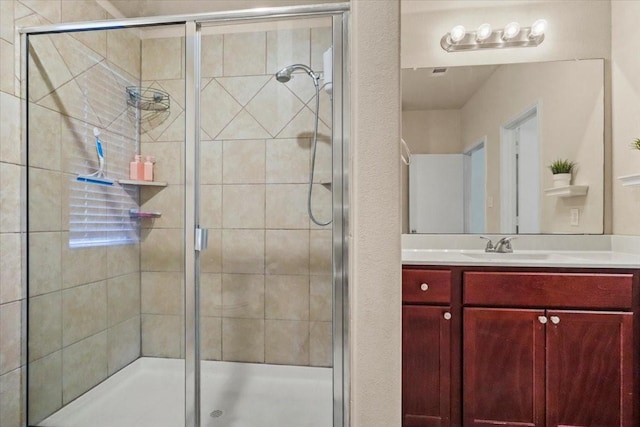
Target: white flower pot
561,179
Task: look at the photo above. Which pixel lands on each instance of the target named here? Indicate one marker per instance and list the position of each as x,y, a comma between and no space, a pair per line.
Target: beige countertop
524,258
576,251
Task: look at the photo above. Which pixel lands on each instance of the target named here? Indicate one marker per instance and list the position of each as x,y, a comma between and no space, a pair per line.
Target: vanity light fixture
538,28
458,39
457,33
483,32
511,30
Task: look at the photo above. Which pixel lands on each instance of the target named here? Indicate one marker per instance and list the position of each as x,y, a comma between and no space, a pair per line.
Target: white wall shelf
567,191
138,214
629,180
142,183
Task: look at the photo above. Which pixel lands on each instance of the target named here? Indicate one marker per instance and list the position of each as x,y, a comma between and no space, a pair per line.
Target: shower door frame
339,12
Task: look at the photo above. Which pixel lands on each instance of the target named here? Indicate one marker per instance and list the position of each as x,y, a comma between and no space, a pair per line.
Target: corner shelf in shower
629,180
137,214
567,191
142,183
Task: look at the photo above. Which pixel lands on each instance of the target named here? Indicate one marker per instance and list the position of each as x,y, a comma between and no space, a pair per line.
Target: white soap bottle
148,168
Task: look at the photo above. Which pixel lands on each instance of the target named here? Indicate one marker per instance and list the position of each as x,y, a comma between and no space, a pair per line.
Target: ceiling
424,90
137,8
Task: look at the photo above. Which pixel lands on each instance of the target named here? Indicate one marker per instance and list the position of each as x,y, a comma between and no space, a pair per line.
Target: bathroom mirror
482,138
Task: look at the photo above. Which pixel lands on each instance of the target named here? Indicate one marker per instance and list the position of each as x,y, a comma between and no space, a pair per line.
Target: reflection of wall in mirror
570,97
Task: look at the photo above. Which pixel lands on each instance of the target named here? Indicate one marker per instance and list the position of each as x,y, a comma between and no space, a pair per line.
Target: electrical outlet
575,217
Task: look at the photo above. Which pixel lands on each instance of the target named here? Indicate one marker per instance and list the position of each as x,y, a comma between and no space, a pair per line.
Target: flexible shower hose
313,158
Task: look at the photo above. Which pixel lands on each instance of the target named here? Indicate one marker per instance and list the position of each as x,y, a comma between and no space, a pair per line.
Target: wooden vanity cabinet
521,347
544,366
503,358
426,348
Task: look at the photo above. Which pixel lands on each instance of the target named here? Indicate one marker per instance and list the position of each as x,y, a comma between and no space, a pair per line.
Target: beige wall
12,237
433,131
625,64
570,100
374,245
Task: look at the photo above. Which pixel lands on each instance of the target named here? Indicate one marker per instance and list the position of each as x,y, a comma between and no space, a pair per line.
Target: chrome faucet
503,246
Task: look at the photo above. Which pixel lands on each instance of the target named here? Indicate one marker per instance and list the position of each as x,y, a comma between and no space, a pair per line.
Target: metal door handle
202,239
542,319
424,287
555,320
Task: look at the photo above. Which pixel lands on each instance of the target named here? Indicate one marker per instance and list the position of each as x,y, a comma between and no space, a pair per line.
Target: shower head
284,75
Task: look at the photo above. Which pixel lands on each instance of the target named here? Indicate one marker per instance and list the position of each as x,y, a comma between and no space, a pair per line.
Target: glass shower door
265,279
106,246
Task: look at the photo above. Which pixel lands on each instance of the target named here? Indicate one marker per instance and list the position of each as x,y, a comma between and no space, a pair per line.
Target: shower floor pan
150,393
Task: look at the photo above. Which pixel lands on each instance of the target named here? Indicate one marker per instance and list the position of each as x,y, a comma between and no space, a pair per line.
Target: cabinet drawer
569,290
437,289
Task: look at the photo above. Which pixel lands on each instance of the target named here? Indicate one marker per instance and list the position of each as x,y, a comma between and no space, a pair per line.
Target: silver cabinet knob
555,320
424,287
542,319
447,316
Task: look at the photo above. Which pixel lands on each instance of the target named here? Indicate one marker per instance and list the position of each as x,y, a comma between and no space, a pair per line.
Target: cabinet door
503,357
426,366
589,369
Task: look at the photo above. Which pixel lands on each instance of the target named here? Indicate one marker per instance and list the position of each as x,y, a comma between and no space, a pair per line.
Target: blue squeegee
98,176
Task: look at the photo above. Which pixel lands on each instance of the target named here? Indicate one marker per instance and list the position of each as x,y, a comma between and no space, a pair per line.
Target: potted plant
561,170
636,144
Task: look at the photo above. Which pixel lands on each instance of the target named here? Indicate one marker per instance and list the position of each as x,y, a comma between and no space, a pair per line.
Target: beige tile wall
266,282
84,303
12,237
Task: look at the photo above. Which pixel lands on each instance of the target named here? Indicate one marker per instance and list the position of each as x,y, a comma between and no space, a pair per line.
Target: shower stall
214,291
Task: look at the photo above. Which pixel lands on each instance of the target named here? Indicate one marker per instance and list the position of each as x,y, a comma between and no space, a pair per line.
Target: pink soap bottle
136,168
148,168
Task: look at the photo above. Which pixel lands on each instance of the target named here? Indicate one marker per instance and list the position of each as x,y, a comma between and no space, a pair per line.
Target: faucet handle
504,245
489,247
507,241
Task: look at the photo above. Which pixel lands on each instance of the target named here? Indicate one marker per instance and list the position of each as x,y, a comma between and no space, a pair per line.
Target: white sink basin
521,258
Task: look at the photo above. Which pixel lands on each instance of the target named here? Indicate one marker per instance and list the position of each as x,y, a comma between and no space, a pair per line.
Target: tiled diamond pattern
244,126
243,89
274,106
302,126
218,108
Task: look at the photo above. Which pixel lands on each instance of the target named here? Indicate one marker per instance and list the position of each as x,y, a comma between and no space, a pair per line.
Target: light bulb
538,28
483,33
457,33
511,30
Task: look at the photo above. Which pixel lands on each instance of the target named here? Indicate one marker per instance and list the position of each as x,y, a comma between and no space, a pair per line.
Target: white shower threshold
150,393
